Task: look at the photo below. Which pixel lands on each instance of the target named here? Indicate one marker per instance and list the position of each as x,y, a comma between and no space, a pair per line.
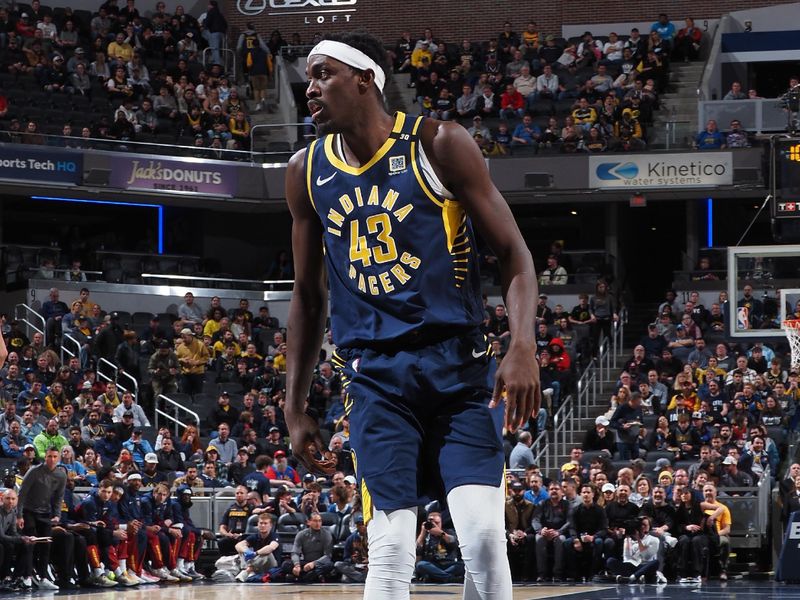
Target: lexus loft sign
314,12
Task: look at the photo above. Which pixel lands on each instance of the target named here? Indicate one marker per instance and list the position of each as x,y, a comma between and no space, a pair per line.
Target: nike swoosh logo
321,181
478,353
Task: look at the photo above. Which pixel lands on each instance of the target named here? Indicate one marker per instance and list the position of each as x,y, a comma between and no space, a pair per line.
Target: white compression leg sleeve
479,517
392,553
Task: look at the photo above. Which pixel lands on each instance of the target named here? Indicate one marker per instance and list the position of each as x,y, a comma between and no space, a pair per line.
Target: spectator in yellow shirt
280,359
584,115
193,357
214,323
723,522
120,51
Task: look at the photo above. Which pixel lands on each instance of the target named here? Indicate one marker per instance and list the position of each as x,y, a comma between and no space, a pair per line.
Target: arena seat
288,526
654,455
231,388
141,319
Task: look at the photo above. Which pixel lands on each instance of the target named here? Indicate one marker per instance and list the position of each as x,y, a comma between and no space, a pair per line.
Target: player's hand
309,447
518,375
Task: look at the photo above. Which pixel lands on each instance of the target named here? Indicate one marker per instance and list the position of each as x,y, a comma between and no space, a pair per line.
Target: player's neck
369,131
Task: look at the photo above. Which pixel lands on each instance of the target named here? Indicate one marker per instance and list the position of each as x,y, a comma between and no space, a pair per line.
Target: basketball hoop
791,328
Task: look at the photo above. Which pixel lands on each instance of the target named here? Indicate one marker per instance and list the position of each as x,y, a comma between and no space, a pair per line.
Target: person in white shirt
612,49
639,555
554,274
129,406
525,83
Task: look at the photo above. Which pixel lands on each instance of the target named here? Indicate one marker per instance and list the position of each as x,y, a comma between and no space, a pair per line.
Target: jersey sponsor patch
397,163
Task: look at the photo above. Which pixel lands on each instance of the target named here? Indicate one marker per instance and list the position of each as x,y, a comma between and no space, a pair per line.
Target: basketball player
386,203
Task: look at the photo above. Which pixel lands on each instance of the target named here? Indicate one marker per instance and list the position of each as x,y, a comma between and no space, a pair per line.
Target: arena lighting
113,203
710,222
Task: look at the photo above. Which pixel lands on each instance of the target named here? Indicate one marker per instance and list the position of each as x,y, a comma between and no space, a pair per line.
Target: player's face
333,93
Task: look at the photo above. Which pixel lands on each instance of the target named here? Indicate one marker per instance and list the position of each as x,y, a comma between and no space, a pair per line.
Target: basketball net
791,327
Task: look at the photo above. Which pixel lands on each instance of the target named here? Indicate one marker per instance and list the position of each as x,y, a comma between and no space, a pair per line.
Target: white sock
98,571
123,564
119,570
180,564
392,552
189,565
478,514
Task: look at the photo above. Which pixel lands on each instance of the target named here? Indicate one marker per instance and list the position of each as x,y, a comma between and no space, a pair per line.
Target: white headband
351,57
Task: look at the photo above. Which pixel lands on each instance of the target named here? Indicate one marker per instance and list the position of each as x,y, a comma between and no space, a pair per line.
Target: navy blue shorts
420,423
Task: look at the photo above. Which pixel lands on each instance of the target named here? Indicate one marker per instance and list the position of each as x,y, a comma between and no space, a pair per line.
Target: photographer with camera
437,550
639,554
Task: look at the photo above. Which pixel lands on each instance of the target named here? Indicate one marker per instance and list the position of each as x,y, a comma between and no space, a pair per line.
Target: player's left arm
462,169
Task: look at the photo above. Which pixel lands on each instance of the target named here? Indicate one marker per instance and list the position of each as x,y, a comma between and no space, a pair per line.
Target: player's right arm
307,313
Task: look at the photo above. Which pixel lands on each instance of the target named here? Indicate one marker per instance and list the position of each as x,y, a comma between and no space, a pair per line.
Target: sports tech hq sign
314,12
636,171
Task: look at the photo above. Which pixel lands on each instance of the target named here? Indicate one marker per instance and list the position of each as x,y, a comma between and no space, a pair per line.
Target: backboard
763,289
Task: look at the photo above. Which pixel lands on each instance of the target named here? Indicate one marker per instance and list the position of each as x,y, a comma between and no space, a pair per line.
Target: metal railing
679,134
750,512
58,274
587,390
116,375
551,445
178,407
603,359
271,284
114,145
225,53
290,51
618,336
65,337
133,388
541,451
563,430
291,138
102,362
32,320
707,87
756,116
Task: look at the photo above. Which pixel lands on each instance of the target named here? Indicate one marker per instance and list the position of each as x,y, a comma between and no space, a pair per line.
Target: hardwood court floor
235,591
734,590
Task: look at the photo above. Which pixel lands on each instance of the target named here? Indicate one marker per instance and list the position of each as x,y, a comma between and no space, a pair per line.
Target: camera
428,525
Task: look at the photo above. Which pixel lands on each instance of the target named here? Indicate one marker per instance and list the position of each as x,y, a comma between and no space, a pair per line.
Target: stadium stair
399,96
679,105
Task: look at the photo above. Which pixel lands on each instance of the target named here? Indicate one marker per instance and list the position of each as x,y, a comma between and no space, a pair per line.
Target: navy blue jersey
402,260
256,542
130,507
257,482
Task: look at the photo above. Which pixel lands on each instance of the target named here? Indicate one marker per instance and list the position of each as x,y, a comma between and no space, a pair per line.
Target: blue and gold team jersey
402,260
